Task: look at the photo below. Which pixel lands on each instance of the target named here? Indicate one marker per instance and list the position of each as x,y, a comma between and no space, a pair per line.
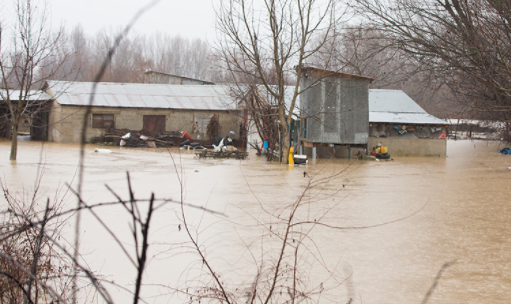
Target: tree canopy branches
466,43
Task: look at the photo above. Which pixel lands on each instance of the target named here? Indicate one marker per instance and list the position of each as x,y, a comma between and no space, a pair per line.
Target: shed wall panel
339,110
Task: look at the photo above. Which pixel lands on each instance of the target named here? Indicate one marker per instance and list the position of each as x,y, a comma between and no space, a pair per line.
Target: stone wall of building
396,147
411,146
66,121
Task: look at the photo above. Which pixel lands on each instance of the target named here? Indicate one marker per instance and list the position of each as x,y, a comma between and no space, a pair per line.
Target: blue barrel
265,144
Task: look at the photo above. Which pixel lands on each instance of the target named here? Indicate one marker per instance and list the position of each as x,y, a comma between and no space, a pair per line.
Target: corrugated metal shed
339,108
394,106
137,95
33,95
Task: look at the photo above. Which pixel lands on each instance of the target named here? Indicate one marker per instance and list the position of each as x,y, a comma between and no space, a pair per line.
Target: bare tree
269,42
32,46
363,50
31,267
466,43
74,59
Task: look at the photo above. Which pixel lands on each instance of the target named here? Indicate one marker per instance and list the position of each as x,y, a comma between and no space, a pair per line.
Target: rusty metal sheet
154,123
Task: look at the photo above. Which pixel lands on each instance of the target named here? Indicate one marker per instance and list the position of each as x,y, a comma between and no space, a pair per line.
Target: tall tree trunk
285,147
285,141
15,120
14,142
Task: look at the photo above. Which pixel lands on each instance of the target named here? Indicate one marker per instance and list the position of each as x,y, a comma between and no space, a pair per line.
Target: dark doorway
39,126
154,123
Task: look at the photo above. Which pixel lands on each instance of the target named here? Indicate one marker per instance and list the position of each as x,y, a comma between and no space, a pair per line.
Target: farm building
334,111
339,113
150,107
398,122
334,108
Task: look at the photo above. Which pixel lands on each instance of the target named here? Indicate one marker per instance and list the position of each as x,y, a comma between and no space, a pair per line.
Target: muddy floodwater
405,219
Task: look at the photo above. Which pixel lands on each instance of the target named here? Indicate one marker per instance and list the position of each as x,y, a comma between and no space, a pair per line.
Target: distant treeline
356,50
136,53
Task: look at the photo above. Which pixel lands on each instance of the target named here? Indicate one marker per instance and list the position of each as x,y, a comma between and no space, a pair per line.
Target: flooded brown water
434,211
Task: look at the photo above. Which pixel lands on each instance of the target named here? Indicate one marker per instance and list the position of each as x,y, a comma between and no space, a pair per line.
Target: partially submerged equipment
379,152
382,155
300,159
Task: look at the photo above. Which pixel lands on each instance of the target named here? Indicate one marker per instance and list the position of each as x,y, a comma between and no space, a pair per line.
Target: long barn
134,106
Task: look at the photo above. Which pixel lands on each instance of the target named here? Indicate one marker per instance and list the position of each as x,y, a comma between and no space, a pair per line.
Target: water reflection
462,202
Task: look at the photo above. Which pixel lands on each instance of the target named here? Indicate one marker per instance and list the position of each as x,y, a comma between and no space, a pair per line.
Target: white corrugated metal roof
33,95
138,95
394,106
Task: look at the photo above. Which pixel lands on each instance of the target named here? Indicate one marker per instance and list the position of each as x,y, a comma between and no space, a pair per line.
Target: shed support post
313,152
350,153
301,150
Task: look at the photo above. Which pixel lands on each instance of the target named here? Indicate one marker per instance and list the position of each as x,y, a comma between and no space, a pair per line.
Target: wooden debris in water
224,154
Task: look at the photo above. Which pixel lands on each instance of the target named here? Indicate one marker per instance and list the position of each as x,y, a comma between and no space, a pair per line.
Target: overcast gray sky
188,18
